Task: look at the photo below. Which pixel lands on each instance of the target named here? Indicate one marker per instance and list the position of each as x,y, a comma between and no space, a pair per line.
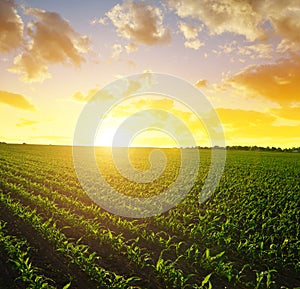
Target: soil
43,256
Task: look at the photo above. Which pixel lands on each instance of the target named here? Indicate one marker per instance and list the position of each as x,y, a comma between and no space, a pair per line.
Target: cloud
132,88
117,50
254,51
221,16
242,118
131,47
194,44
190,33
96,94
255,127
256,19
139,23
15,100
285,19
278,82
79,96
11,26
26,122
32,68
201,83
142,103
292,113
258,50
102,21
53,41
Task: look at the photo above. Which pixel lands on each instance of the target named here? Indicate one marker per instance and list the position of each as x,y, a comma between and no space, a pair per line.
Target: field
53,236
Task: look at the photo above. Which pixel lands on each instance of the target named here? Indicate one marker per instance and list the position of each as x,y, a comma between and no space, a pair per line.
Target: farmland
52,235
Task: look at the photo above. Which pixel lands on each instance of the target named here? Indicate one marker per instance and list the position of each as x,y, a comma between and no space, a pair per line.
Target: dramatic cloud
285,19
53,41
190,33
222,16
15,100
26,122
11,26
246,18
278,82
140,23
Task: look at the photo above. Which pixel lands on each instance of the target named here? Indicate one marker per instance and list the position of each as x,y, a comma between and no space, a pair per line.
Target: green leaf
206,279
67,286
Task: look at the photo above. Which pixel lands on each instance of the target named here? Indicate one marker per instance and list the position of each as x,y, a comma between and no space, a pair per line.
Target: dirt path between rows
43,256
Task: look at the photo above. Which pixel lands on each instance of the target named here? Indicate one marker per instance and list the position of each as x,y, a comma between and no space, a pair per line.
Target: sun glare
150,121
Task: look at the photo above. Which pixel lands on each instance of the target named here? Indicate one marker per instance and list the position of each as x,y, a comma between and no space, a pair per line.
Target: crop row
166,271
133,252
18,253
251,224
76,252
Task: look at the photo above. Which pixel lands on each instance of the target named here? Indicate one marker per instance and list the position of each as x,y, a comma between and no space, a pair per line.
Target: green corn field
52,235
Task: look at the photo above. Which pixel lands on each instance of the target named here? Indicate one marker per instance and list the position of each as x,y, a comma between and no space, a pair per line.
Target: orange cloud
140,23
11,26
278,82
244,118
126,109
26,122
292,113
53,40
246,124
201,83
15,100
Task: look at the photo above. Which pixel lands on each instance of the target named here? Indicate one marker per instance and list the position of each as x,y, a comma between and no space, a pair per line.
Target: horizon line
165,147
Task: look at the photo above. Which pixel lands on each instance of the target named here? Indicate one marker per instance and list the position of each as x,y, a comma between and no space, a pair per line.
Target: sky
244,56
